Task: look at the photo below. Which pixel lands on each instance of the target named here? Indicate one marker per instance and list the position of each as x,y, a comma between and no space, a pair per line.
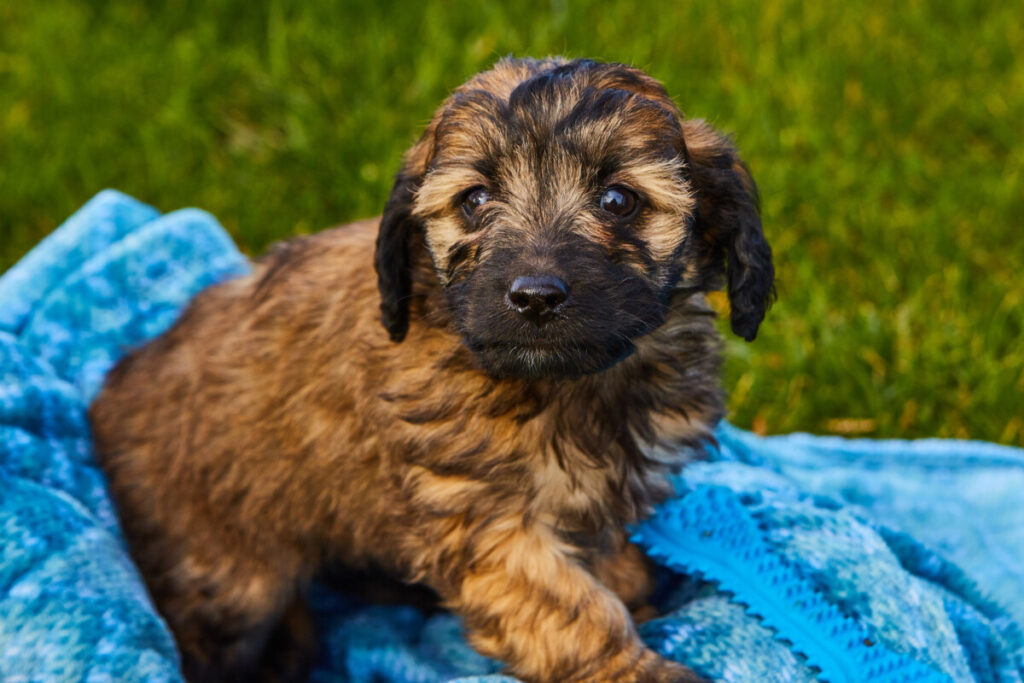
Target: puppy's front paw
654,669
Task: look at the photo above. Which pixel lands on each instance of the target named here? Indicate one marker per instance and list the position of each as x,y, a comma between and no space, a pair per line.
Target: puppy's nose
536,298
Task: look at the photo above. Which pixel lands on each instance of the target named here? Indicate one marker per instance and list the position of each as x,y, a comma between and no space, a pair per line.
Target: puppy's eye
474,199
619,201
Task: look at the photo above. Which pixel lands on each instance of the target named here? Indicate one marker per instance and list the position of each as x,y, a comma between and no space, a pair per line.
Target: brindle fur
278,428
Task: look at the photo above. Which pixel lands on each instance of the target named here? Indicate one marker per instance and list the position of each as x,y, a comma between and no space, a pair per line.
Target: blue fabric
792,558
72,605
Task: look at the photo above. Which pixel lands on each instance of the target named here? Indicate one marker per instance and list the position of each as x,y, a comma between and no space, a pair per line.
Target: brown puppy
546,351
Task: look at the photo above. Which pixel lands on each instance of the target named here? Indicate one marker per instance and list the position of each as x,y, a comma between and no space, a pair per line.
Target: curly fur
279,428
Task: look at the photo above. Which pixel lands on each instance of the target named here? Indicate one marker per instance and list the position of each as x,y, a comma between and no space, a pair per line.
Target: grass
886,140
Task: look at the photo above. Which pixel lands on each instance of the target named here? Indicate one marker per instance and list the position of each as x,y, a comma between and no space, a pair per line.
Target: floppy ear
392,259
729,222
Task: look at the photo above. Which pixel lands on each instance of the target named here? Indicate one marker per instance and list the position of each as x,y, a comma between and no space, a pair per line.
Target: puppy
544,355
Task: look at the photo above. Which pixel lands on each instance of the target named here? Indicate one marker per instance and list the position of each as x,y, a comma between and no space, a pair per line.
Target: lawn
886,140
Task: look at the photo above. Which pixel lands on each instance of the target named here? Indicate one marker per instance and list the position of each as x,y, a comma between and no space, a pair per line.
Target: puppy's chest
583,490
579,494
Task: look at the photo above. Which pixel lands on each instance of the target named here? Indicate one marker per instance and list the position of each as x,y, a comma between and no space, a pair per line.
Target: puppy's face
562,204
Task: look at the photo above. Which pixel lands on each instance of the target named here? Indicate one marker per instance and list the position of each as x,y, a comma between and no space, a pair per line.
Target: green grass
886,139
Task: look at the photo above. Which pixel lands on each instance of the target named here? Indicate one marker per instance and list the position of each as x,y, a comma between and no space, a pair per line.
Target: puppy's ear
398,227
392,259
729,223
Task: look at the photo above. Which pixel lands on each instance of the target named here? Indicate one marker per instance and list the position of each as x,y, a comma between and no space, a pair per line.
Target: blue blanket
793,558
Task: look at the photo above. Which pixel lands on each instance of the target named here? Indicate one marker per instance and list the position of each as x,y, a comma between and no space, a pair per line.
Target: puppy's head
562,204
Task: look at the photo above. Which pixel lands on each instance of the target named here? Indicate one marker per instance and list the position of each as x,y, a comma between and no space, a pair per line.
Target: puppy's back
183,424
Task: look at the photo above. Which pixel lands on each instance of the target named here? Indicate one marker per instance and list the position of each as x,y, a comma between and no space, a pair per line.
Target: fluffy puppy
545,353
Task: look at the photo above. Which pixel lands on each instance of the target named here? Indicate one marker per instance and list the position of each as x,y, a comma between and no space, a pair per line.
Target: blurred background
886,138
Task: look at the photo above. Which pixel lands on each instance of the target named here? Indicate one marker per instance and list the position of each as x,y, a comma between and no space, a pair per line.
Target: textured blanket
792,558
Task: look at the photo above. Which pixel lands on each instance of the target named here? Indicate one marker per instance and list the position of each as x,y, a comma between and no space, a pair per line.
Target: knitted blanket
792,558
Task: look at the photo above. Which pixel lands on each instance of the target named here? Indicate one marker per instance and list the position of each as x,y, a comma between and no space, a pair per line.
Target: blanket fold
793,558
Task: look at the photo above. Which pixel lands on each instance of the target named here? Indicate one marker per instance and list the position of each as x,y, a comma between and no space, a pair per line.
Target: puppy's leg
235,619
291,649
527,601
626,571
